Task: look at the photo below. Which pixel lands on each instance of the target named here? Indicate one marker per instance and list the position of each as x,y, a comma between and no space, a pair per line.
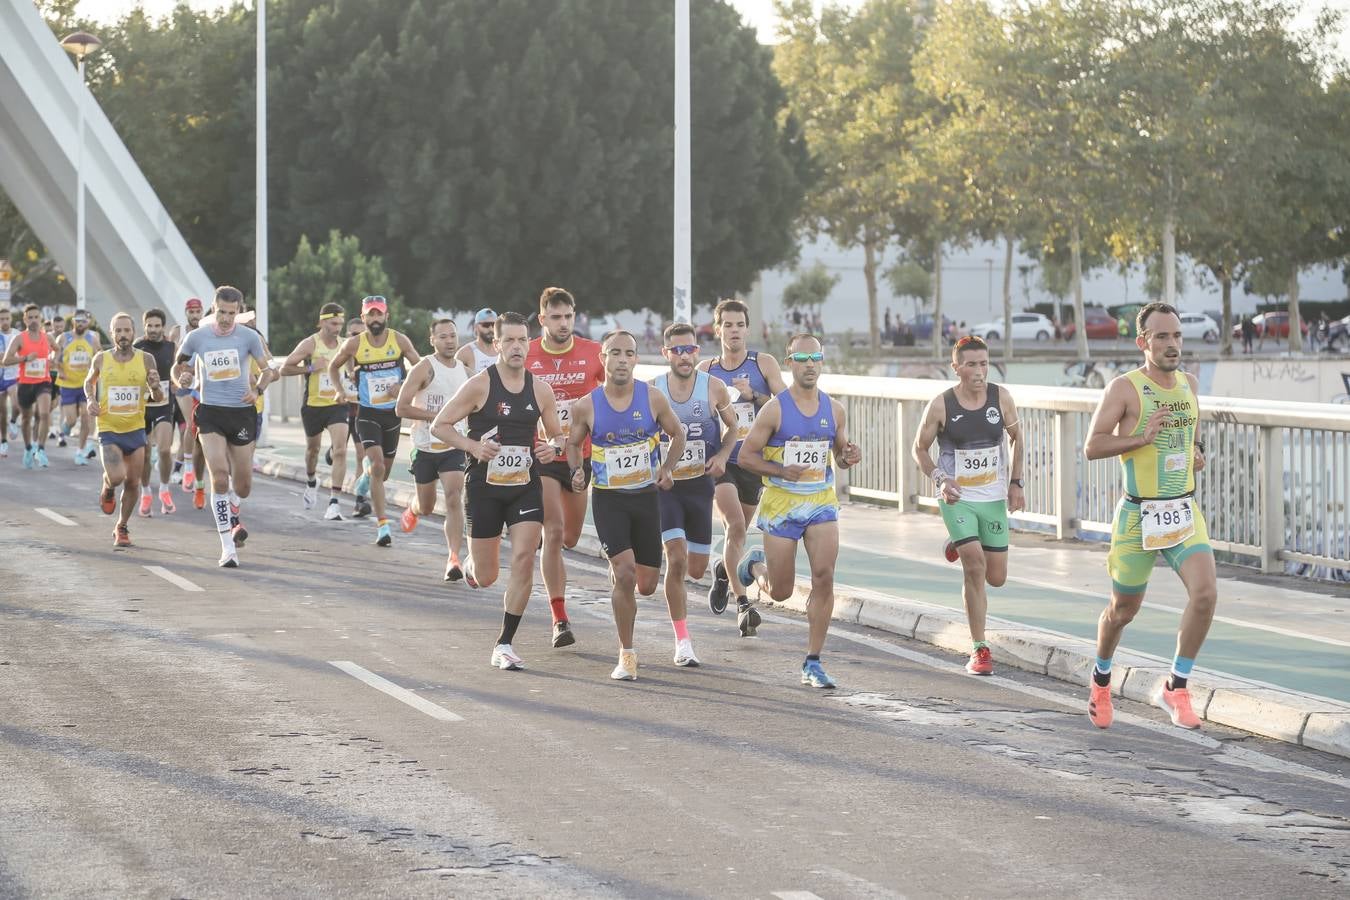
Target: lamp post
683,226
260,175
80,44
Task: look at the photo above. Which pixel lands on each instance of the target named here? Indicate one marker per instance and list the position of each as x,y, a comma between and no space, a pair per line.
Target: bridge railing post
1270,499
1064,463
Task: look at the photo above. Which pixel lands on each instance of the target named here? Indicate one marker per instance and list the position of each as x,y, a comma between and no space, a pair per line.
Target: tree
810,289
907,278
334,272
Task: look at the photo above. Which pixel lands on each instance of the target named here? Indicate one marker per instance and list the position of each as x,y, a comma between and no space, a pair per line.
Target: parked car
1271,325
1100,325
1198,326
1338,337
1025,326
921,326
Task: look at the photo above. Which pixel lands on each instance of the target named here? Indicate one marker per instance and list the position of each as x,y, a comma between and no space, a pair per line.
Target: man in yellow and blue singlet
1148,417
75,350
320,410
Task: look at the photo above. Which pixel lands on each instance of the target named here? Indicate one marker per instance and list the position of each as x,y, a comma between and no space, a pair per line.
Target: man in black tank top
158,419
979,481
504,405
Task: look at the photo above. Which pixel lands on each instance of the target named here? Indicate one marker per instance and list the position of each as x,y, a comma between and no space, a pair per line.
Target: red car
1100,325
1271,324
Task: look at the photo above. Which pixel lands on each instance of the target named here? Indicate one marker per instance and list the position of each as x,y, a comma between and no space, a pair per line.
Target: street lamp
80,44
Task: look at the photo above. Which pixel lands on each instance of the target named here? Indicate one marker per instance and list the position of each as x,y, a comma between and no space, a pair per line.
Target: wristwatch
1017,482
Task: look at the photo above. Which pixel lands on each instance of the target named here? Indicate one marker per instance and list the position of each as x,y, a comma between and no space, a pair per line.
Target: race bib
628,466
326,391
814,455
79,359
222,365
124,400
745,417
383,387
976,468
510,467
1166,523
693,462
35,368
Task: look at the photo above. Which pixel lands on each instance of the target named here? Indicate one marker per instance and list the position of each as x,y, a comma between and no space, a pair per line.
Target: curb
1307,720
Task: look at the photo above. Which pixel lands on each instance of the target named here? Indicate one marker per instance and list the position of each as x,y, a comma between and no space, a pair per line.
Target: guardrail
1275,492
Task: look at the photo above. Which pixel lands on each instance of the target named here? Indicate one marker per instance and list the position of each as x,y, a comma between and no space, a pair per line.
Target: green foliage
334,272
908,278
810,289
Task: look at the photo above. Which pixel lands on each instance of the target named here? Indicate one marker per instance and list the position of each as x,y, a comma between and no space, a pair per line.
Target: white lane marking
794,895
176,580
403,695
54,516
1233,755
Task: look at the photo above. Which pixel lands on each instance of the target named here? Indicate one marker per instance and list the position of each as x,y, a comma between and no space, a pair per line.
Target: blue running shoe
40,457
814,675
28,458
743,567
362,486
385,536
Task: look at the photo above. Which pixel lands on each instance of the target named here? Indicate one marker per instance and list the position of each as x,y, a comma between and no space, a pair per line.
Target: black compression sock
510,622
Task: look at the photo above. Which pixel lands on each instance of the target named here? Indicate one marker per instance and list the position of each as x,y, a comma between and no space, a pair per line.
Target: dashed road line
176,580
403,695
54,516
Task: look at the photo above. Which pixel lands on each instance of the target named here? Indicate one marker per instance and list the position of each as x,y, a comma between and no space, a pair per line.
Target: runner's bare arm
548,409
420,376
721,401
91,383
409,351
295,363
1017,499
468,399
670,424
1197,452
846,453
465,356
339,359
582,416
928,432
151,376
773,374
11,354
751,457
1104,441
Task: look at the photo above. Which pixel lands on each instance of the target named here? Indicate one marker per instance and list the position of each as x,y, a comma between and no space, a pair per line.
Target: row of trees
1087,131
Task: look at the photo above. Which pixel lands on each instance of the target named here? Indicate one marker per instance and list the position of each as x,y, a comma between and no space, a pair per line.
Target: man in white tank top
479,353
428,387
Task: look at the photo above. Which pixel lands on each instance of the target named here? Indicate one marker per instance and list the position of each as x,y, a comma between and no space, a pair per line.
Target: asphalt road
161,741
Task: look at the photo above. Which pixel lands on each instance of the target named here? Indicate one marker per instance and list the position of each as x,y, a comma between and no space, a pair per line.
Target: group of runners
518,435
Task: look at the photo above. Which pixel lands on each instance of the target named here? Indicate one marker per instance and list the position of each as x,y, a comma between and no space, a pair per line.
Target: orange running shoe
199,498
981,662
146,502
408,521
107,500
1099,705
1178,706
166,502
121,536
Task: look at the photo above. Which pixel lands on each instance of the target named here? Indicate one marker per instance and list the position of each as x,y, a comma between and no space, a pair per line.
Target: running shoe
684,654
107,501
311,495
79,458
176,476
333,514
362,486
814,675
238,533
90,449
981,662
562,634
199,498
28,458
743,570
384,536
166,506
503,657
408,521
626,670
328,456
189,479
121,536
14,431
949,551
229,559
717,594
60,440
40,457
4,448
747,620
468,577
454,573
144,507
1178,706
363,508
1099,705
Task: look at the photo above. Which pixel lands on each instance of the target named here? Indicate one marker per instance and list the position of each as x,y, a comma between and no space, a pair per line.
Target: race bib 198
510,467
628,466
976,468
222,365
1166,523
124,400
814,455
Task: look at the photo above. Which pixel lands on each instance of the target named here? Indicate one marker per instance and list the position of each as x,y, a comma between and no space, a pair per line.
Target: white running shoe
626,670
332,513
311,495
229,559
503,657
684,654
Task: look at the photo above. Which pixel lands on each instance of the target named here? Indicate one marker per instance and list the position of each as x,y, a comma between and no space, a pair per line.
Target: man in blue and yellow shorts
798,439
1148,417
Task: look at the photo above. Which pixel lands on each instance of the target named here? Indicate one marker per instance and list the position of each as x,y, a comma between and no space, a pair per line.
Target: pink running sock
681,629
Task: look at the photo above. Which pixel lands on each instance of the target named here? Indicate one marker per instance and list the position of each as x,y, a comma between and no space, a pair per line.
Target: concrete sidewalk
1275,664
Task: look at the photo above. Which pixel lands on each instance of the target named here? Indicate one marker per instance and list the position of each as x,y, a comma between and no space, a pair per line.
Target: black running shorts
748,485
428,467
317,419
379,428
237,424
629,520
490,508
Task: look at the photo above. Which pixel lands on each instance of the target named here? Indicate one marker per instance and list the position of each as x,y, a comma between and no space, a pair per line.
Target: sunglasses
806,357
683,349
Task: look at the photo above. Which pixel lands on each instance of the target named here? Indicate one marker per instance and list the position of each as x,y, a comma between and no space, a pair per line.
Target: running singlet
482,360
572,373
222,363
1166,467
319,389
75,358
803,440
624,451
35,371
445,382
744,407
163,352
511,420
122,394
971,449
702,427
379,371
9,373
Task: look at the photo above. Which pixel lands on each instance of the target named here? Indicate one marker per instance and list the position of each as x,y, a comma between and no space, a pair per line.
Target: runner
972,477
158,417
571,366
116,387
757,379
33,349
429,386
478,354
504,406
185,466
381,356
226,419
703,405
1148,418
320,409
74,351
56,429
797,440
354,327
9,382
623,420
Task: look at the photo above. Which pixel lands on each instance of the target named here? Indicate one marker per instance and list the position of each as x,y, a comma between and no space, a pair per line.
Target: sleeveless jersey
624,452
572,373
35,371
806,440
1166,467
122,393
445,382
701,423
743,407
512,420
319,390
482,360
75,358
379,371
971,448
8,373
164,355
